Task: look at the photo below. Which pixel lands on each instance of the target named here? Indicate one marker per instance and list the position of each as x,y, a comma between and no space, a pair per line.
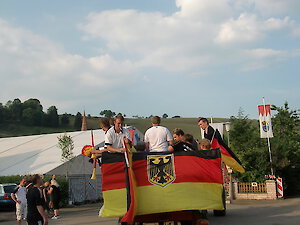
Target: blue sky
184,57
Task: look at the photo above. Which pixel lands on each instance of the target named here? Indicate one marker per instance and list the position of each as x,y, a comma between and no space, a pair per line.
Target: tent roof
39,153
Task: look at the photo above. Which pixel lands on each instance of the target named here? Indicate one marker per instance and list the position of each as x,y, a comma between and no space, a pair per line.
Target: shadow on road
275,212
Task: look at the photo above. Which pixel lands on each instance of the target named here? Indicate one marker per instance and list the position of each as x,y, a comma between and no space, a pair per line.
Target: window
9,188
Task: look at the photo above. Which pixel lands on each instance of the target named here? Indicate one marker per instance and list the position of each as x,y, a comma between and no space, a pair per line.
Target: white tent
39,153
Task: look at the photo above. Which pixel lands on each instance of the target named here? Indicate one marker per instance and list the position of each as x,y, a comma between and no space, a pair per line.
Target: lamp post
228,127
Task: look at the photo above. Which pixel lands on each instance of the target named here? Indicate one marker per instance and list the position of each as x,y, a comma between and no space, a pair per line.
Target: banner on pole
265,121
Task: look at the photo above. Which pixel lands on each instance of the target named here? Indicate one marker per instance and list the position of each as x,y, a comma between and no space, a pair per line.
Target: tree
16,108
32,114
286,146
107,113
32,117
250,149
1,113
64,119
66,144
78,121
165,115
33,103
52,118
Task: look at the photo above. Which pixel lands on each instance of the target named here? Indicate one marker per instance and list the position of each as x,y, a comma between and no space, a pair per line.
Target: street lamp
228,127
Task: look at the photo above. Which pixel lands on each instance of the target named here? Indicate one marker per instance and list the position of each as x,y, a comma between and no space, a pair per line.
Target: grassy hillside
14,130
189,125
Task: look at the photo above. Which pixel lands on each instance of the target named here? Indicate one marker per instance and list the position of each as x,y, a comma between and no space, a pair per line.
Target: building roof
39,153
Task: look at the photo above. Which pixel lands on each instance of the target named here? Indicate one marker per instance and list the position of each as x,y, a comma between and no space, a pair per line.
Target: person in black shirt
35,210
186,144
54,192
45,188
178,136
210,133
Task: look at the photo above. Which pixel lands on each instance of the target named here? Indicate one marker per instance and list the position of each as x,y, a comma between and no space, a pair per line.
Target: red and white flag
265,121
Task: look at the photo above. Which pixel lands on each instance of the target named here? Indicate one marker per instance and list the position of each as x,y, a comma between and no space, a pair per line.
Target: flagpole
268,138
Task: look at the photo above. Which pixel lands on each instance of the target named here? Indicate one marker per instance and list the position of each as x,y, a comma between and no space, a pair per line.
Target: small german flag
228,157
164,182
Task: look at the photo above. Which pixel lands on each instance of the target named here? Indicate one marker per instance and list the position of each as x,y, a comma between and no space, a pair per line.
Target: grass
189,125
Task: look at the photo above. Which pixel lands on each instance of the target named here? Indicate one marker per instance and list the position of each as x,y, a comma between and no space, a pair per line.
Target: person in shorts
54,192
19,196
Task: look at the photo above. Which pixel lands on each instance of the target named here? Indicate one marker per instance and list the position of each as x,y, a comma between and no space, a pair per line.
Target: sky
185,57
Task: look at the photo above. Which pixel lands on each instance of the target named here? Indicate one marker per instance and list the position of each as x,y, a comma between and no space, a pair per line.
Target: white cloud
200,36
247,28
204,10
188,40
265,53
277,7
32,65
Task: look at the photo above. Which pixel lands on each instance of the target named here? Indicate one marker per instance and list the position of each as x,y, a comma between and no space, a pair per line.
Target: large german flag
164,182
228,157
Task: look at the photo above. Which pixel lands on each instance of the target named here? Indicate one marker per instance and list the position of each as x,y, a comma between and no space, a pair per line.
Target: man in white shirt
114,138
19,196
158,138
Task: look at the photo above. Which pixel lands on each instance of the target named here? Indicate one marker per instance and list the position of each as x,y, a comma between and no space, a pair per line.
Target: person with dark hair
19,197
105,126
184,145
158,138
140,146
188,138
210,133
178,134
114,138
204,121
35,210
28,182
54,193
45,188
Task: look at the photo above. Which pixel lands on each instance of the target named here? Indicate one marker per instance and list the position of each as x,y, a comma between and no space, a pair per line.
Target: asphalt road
247,212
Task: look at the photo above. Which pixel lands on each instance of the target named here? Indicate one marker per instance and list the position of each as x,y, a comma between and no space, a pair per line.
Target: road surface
246,212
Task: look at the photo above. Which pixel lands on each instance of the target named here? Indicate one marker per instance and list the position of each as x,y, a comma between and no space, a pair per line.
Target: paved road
277,212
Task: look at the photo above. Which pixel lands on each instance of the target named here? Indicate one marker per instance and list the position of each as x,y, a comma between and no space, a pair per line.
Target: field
189,125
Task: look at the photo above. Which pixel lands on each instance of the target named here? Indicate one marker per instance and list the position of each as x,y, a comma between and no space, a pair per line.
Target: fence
252,188
83,189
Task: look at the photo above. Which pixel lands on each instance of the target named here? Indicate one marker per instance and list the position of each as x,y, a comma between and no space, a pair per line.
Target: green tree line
30,113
